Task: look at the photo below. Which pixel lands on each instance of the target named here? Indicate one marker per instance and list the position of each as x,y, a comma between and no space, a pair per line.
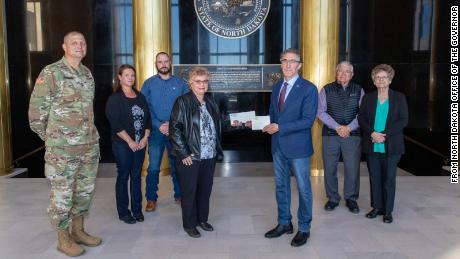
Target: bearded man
161,91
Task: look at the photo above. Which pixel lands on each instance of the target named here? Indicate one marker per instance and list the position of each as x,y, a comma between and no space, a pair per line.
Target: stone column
319,48
5,110
151,29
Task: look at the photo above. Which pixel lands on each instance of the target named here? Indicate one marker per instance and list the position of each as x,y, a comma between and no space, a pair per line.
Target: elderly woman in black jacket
382,117
194,129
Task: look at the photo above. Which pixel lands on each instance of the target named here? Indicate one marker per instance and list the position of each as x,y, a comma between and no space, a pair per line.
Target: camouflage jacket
61,105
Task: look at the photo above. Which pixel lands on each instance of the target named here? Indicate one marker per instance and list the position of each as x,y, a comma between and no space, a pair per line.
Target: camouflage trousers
72,172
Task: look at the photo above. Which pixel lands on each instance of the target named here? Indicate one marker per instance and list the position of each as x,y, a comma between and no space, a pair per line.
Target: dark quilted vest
342,105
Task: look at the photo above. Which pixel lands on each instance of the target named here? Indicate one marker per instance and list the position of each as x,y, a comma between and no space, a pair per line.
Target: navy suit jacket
296,119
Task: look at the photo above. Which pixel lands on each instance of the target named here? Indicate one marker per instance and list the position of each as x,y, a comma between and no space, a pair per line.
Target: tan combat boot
80,236
67,246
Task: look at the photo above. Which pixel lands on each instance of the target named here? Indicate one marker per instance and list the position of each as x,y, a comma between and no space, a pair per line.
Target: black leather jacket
184,126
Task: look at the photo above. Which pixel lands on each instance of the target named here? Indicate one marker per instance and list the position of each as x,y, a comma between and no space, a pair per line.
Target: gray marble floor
427,221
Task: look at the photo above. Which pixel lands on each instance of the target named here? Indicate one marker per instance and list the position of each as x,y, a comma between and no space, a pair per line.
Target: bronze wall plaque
236,78
232,19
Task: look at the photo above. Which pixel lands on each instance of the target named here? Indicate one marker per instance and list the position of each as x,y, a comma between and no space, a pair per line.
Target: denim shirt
161,95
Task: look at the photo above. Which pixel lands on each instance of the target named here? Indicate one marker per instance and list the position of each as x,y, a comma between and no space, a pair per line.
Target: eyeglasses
377,78
289,61
199,82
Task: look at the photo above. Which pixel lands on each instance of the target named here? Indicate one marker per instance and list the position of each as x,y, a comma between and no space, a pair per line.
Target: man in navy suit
293,107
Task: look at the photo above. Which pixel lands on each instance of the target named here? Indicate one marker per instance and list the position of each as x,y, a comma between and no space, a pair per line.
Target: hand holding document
243,116
260,122
257,122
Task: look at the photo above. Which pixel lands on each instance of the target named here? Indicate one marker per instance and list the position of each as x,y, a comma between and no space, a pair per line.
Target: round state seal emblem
232,19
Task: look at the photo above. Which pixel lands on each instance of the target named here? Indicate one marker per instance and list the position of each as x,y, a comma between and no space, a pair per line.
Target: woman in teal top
382,117
381,114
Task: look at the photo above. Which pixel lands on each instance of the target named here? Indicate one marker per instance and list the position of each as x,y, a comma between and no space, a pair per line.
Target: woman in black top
130,123
382,117
194,129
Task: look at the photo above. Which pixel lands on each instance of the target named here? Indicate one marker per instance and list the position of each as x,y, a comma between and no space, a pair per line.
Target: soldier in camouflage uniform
61,113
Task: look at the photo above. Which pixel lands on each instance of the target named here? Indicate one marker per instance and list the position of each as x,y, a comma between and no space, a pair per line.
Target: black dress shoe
128,219
387,218
279,230
300,238
330,206
139,217
193,232
374,213
206,226
352,206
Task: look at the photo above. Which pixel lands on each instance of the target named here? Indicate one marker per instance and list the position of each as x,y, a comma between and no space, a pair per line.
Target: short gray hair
72,33
344,63
385,68
292,51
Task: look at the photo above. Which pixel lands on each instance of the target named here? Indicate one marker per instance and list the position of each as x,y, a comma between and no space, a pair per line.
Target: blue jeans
129,166
157,144
300,167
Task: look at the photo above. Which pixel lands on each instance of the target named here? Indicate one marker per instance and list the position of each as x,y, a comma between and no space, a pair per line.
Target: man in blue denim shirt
161,91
